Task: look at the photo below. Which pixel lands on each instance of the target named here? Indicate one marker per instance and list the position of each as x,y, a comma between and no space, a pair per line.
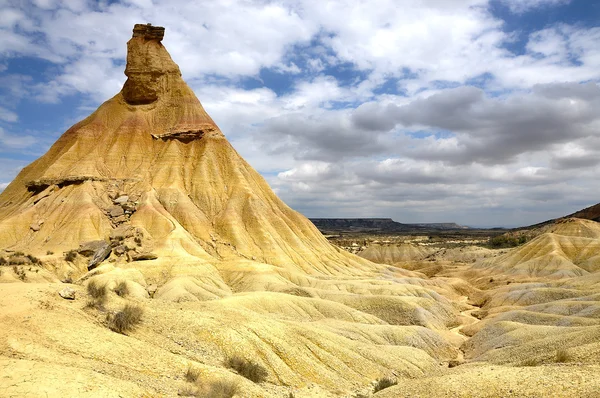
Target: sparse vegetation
189,391
20,272
121,289
97,293
248,369
33,259
217,389
297,291
562,355
192,374
383,383
506,240
530,362
126,319
221,389
70,256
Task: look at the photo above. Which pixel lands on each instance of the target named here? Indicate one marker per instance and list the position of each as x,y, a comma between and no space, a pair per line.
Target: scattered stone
67,293
120,219
129,207
122,233
101,254
120,250
88,249
35,226
121,200
116,211
143,256
151,290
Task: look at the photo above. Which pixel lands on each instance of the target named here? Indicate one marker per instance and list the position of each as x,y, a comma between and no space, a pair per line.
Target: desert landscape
141,256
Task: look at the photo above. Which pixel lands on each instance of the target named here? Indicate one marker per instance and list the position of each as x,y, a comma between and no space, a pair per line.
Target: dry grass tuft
562,355
126,319
217,389
531,362
189,391
192,374
121,289
249,369
384,383
222,389
97,293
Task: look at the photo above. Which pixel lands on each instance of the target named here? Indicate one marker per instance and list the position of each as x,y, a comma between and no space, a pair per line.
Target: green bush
505,241
249,369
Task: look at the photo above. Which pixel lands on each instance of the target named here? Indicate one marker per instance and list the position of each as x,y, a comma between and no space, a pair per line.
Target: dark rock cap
148,32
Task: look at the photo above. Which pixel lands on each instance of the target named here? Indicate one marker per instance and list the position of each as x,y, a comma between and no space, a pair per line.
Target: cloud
350,108
13,141
7,115
522,6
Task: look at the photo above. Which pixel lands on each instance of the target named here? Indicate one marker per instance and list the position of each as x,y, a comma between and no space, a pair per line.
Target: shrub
97,293
217,389
222,389
384,383
249,369
3,261
49,252
192,374
33,259
70,256
20,272
121,289
562,356
506,240
189,391
530,362
126,319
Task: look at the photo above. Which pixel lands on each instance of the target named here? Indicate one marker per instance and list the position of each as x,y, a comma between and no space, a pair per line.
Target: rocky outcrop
148,66
151,174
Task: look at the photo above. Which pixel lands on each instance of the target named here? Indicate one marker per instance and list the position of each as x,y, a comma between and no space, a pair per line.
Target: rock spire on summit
148,32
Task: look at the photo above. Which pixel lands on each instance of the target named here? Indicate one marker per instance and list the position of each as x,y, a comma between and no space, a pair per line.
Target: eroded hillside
142,256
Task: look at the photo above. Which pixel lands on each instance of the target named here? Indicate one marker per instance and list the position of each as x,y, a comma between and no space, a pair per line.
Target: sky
480,112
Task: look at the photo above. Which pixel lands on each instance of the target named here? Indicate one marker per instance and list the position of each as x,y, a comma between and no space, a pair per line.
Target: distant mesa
377,225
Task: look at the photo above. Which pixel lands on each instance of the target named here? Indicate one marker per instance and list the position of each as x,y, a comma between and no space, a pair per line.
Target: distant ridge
377,225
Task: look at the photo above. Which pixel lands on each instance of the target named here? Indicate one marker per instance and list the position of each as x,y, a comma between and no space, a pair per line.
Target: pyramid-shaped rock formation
150,166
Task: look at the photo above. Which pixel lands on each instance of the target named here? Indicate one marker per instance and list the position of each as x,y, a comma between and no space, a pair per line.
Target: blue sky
471,111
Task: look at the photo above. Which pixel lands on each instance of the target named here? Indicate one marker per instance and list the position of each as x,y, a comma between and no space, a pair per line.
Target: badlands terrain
141,256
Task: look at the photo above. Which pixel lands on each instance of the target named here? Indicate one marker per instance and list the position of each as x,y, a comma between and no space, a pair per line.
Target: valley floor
454,322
